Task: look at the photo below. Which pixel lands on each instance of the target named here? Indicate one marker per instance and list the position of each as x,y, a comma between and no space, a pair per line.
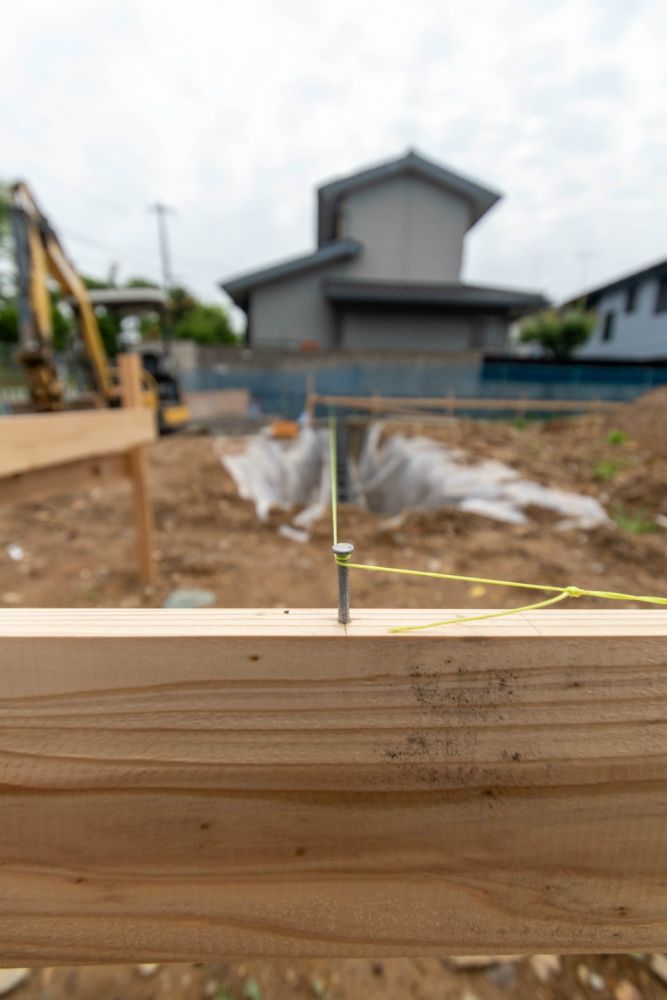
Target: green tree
9,322
108,324
139,282
559,334
61,323
180,303
206,324
94,284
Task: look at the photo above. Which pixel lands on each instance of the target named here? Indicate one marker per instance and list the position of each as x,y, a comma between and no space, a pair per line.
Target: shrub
559,334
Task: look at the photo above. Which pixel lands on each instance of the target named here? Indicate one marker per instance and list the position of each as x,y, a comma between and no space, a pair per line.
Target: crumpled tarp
403,472
282,474
394,474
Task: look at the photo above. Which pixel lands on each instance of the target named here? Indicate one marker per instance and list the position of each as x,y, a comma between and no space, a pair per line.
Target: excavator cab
126,305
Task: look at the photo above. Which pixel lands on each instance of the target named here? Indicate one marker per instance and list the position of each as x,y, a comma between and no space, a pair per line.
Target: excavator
39,257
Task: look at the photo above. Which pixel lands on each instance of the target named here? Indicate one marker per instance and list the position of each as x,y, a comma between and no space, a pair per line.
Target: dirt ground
77,551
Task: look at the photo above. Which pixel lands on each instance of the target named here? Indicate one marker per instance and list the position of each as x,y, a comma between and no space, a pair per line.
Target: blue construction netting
282,390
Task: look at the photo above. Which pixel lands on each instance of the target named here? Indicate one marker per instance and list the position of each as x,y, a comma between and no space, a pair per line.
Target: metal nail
343,551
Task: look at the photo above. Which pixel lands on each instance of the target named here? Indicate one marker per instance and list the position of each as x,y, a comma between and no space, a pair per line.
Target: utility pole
162,211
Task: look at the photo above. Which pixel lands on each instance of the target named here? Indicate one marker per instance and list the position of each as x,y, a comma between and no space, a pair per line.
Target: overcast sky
232,112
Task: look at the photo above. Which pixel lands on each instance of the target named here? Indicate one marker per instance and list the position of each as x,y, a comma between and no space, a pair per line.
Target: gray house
632,316
386,272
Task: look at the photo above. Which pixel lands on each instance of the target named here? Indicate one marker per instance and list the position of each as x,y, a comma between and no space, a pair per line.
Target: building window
630,298
661,298
608,326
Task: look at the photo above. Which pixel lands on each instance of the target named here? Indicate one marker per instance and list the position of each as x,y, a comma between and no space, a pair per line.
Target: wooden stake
131,389
310,396
201,785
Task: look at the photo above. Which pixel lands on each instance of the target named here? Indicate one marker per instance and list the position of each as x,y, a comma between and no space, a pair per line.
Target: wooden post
197,785
310,397
131,392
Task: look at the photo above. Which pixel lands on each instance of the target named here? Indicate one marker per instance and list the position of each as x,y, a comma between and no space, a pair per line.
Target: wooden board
454,403
39,440
196,785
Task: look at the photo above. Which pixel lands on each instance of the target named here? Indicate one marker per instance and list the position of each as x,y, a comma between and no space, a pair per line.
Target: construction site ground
77,551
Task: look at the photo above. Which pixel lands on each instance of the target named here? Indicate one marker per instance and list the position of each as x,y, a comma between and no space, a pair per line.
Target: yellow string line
478,618
561,592
569,591
449,576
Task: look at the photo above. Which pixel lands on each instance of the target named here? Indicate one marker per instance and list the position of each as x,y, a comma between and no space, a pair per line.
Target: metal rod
342,551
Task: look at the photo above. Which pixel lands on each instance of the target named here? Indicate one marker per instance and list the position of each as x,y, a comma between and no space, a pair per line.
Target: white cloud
233,112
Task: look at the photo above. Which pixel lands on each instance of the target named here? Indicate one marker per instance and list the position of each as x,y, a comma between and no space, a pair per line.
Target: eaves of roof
239,287
417,294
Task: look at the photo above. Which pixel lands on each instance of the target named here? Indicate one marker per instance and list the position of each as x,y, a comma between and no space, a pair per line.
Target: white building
632,316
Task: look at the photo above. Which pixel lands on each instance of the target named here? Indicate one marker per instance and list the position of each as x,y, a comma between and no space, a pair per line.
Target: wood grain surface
38,440
198,785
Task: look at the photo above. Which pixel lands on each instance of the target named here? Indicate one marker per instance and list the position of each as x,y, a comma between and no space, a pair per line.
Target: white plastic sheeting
282,474
396,474
417,472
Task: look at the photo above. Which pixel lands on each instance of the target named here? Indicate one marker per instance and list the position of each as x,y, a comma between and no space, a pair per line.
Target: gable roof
590,297
480,198
239,287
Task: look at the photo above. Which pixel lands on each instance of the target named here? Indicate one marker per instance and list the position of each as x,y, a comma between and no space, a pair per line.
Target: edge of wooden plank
313,622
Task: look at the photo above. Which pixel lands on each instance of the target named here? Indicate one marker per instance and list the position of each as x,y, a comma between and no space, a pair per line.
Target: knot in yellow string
573,591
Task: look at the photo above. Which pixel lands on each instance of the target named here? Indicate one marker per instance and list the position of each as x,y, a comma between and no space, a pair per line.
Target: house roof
480,198
239,287
418,294
594,294
128,297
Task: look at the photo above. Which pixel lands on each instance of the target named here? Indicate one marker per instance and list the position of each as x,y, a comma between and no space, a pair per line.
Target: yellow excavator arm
39,255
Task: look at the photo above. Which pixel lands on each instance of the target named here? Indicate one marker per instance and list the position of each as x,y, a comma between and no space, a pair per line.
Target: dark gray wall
396,331
290,311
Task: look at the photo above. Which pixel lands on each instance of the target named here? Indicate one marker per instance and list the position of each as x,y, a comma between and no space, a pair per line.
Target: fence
281,387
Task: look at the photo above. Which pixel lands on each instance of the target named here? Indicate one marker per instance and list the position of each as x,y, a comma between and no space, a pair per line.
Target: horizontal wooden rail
43,440
454,404
190,785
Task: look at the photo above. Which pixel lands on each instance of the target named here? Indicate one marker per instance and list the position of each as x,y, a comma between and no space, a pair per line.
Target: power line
126,259
107,249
